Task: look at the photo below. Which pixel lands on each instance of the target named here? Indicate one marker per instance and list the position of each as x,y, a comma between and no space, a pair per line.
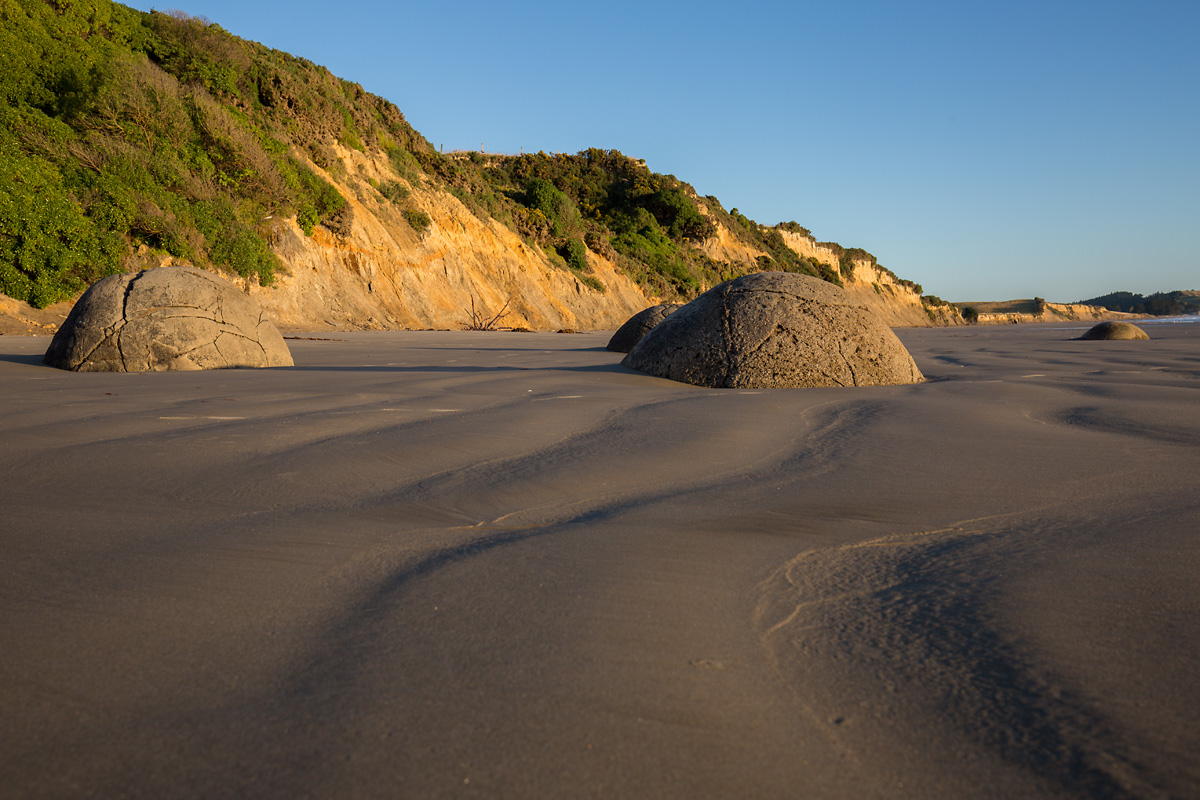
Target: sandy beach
433,564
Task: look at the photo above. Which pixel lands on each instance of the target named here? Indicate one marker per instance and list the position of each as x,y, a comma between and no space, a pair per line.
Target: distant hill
131,139
1160,304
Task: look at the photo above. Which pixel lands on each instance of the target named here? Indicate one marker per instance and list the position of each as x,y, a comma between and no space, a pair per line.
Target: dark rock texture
774,329
1115,330
174,318
639,325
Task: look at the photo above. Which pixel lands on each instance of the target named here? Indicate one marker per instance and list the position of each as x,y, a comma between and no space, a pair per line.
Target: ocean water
1184,319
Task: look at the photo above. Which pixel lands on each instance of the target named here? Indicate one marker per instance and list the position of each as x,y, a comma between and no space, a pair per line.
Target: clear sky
987,151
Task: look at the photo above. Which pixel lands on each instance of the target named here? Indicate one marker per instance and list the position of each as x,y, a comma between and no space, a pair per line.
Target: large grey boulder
1115,330
639,325
774,329
173,318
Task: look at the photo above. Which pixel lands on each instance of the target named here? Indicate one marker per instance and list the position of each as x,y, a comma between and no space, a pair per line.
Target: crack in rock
124,319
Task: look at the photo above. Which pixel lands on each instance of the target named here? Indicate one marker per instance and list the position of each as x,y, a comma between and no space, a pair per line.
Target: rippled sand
420,564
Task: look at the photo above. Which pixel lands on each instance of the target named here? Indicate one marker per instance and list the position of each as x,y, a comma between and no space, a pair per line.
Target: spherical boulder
172,318
639,325
1115,330
774,329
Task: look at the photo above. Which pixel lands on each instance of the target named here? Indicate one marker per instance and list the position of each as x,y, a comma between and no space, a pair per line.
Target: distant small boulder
173,318
639,325
774,329
1115,330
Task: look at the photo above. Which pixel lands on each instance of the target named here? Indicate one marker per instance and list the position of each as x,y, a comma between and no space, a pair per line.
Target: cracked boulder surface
172,318
639,325
1115,330
774,330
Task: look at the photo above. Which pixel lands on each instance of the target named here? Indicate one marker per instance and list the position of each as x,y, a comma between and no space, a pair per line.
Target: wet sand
424,564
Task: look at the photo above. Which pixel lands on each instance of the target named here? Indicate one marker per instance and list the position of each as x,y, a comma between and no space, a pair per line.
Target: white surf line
1036,375
201,417
562,397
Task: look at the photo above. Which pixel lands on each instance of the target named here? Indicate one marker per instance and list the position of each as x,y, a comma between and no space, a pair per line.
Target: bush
795,227
678,215
48,249
592,282
232,243
317,197
419,221
542,195
394,192
575,254
307,218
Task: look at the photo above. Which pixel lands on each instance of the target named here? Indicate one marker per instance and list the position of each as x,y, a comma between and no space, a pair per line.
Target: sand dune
422,564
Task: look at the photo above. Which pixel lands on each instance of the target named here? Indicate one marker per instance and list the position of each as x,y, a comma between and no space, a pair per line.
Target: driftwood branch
480,322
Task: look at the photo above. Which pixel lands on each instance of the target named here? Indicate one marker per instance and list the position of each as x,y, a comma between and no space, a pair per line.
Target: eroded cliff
896,302
382,273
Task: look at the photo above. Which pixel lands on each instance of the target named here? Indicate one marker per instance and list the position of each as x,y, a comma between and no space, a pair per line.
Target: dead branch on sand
479,322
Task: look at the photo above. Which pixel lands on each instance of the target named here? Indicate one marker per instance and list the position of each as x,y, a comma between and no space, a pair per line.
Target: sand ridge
423,563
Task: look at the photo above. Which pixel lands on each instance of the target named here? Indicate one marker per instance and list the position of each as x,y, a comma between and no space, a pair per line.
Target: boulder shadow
32,359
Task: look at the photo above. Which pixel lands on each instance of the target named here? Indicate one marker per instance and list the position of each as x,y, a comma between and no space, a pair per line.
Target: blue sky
984,151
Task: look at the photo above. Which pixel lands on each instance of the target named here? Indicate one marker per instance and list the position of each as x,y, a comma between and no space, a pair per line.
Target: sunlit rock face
174,318
774,329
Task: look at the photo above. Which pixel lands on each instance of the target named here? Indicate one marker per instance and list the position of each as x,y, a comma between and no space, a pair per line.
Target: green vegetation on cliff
123,132
649,224
120,129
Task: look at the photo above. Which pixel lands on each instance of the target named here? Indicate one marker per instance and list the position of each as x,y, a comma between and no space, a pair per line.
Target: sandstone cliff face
379,273
383,274
724,246
808,247
1054,312
894,303
897,304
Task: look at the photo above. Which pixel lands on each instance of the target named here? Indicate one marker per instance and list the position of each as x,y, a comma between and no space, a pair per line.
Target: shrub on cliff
48,248
122,128
418,220
575,254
